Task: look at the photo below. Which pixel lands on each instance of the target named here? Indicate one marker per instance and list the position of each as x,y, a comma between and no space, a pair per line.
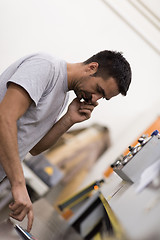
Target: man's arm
13,106
77,112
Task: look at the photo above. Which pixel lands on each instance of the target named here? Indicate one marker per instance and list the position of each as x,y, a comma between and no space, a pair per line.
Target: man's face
91,89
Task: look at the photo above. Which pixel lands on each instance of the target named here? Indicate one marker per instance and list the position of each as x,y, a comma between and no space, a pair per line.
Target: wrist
17,182
67,120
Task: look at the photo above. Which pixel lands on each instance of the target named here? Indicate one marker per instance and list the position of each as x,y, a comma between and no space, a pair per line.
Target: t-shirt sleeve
33,75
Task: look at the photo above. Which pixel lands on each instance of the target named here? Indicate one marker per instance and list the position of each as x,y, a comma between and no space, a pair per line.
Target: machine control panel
146,152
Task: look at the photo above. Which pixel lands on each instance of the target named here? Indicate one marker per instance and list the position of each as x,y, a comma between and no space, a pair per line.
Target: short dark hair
113,64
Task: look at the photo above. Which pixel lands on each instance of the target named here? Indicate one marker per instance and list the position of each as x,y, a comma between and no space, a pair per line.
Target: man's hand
21,206
80,111
77,112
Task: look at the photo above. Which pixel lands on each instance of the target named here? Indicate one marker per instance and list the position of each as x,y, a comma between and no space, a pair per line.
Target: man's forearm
53,135
14,104
9,157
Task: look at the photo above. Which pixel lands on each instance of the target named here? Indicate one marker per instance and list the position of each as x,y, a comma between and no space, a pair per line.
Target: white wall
75,30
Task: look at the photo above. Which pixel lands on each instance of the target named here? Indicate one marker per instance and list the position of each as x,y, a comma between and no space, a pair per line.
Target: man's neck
74,71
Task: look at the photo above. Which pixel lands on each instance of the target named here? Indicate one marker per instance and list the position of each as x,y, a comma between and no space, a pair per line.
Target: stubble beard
80,93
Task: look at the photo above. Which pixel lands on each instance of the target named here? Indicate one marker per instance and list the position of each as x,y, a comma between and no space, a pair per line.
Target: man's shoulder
46,56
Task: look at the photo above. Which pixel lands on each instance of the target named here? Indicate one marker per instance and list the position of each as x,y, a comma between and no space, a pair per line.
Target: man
33,93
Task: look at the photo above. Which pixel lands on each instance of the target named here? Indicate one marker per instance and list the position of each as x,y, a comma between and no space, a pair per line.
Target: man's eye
99,90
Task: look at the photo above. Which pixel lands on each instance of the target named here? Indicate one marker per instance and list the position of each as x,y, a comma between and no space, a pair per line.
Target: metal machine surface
132,192
145,153
7,231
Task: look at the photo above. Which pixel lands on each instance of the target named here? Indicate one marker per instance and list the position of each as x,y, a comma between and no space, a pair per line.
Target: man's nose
96,97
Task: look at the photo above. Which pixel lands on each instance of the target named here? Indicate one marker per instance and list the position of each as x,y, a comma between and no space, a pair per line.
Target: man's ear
92,67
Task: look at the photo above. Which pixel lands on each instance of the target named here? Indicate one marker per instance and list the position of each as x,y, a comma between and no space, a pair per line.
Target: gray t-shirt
45,80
